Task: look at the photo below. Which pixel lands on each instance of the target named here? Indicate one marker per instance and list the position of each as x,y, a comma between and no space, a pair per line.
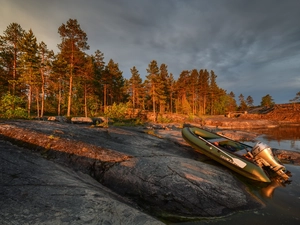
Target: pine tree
249,101
222,101
135,86
88,81
10,53
231,106
74,41
99,67
182,84
152,80
116,83
193,85
162,90
267,101
46,58
3,73
30,75
297,98
58,84
203,90
171,91
243,105
214,91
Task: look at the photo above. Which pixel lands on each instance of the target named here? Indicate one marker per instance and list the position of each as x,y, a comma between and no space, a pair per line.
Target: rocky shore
57,172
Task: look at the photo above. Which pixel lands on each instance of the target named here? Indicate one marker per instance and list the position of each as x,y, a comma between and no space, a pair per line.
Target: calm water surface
283,203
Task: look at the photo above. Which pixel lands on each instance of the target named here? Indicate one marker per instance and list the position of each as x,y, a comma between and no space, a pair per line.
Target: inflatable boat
257,163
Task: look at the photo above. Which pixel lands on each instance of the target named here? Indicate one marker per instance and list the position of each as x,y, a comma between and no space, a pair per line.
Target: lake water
282,202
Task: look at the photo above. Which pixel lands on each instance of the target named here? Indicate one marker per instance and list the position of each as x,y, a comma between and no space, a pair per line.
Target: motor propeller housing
263,156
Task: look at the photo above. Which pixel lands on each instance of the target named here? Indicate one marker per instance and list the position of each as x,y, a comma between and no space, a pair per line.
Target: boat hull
199,139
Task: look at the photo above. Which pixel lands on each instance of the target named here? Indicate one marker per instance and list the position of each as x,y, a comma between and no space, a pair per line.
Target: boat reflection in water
268,191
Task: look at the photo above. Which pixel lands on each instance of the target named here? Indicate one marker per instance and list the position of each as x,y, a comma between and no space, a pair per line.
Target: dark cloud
253,46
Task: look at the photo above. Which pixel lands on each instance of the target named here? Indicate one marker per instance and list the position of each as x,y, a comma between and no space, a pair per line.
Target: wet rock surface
134,173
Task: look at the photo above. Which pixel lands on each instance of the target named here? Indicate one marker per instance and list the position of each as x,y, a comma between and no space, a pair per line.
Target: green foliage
116,111
162,119
10,107
267,101
186,107
222,104
191,117
129,122
138,122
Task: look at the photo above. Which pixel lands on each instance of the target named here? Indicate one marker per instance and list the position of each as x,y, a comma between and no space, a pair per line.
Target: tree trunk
70,96
85,101
59,98
29,101
153,99
43,90
104,96
37,102
14,70
71,82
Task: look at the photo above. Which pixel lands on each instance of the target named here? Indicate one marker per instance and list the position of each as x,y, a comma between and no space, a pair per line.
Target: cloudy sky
253,46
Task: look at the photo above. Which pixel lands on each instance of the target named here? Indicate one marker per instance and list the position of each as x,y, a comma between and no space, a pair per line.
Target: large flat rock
160,174
34,190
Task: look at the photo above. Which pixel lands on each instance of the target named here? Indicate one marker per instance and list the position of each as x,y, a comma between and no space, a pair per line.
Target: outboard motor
263,156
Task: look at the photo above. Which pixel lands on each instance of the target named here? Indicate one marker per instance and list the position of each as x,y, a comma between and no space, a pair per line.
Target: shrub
116,111
11,107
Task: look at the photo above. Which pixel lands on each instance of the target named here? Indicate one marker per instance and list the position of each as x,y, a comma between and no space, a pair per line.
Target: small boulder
81,120
61,119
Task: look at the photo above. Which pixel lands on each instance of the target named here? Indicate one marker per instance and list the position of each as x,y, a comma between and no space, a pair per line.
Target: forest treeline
34,81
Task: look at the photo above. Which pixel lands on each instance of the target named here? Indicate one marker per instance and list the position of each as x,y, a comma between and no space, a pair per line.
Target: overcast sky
253,46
